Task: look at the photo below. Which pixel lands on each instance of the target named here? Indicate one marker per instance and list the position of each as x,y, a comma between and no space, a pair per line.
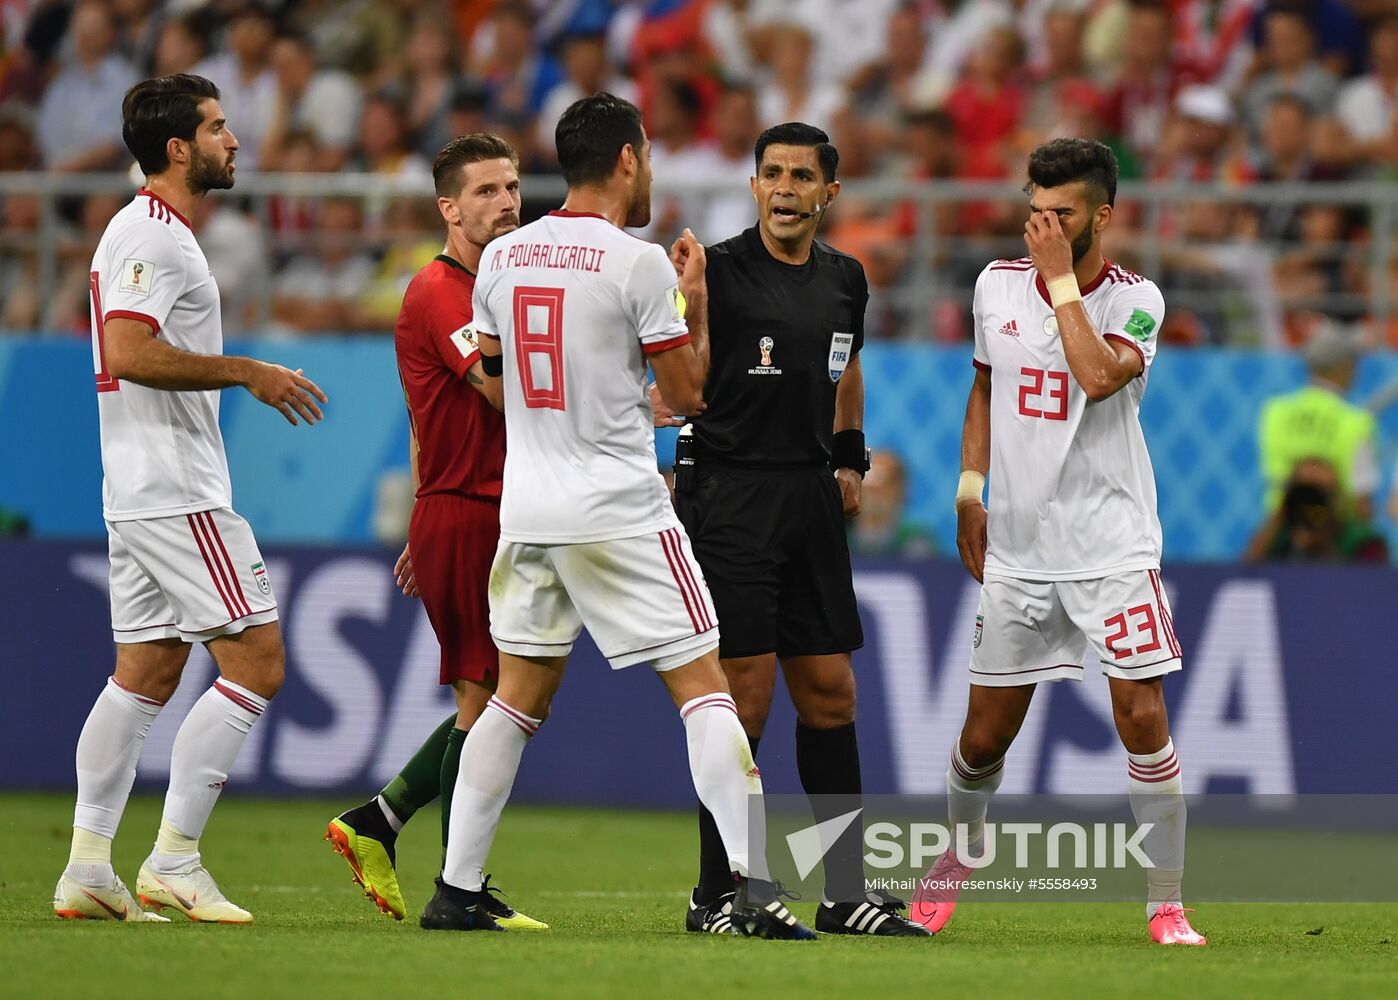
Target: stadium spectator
892,86
1288,53
291,216
1322,270
317,290
986,107
243,74
430,79
1312,524
1138,106
18,149
678,157
1213,37
1286,154
1202,143
1366,105
793,93
80,114
731,210
179,46
882,527
1058,75
138,29
587,72
21,302
727,31
1316,421
324,101
383,145
238,257
517,75
1338,34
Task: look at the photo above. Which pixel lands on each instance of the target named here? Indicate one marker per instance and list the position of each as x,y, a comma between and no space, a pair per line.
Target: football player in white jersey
184,567
569,310
1068,553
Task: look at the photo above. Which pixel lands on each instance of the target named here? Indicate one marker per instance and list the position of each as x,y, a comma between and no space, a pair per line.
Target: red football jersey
460,436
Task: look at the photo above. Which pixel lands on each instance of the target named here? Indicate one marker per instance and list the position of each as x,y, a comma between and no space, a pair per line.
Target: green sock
420,780
451,763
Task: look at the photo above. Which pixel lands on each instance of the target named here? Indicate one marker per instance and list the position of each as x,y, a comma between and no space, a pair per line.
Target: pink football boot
934,900
1171,926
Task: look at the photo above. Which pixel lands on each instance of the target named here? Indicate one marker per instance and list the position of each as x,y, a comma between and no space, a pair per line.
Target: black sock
715,874
368,820
828,761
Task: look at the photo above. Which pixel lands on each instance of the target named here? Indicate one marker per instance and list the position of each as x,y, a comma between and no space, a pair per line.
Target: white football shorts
193,577
643,599
1040,630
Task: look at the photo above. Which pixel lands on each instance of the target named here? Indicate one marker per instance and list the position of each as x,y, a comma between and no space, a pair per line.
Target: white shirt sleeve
151,275
482,322
981,357
653,300
1134,318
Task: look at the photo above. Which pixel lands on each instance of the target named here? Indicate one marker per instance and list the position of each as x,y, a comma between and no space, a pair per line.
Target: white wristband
969,487
1063,290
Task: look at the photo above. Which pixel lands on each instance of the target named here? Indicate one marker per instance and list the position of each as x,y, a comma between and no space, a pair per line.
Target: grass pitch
613,885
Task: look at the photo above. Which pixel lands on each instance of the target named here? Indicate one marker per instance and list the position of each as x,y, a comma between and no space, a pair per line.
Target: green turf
613,885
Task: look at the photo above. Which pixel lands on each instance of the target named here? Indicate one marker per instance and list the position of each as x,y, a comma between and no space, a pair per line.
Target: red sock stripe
1152,768
687,567
1165,620
527,725
238,698
679,580
969,775
1155,780
711,701
233,573
139,697
213,573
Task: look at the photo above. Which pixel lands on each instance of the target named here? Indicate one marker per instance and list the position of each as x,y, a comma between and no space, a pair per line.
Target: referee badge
840,345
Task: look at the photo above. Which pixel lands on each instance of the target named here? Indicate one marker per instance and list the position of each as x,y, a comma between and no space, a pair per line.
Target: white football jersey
162,453
577,305
1072,493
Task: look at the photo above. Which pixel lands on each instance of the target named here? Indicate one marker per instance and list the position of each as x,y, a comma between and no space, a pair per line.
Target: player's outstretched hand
287,391
1049,248
970,538
690,263
403,573
851,490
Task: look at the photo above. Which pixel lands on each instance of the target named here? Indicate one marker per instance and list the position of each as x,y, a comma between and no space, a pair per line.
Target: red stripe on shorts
679,581
213,574
687,568
1165,619
213,526
225,569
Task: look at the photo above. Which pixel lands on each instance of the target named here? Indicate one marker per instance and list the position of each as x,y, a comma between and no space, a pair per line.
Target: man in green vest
1316,421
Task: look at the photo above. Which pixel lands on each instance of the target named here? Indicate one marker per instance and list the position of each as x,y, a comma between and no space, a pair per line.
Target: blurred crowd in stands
1197,91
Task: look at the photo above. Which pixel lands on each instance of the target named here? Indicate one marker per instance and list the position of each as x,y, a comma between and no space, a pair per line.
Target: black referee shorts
773,550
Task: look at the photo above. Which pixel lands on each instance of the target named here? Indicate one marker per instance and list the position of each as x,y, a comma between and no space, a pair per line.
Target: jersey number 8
538,315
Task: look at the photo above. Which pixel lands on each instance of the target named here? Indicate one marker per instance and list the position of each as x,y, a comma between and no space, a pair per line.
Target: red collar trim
147,192
1091,286
568,213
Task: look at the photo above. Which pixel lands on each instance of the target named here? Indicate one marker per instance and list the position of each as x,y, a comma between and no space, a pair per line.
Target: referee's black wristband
493,365
847,451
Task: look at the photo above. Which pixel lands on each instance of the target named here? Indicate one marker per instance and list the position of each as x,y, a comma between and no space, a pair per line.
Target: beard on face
1082,243
638,212
207,173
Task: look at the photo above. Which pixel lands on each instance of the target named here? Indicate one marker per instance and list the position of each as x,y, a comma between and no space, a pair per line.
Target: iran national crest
840,345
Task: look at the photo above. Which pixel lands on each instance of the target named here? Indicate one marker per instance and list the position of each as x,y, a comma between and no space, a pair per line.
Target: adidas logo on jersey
1010,329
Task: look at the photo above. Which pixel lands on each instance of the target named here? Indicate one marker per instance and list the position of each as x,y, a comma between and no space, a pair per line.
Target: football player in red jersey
458,459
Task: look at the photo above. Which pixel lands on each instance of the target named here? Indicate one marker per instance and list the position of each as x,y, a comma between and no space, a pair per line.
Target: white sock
720,761
205,748
389,814
968,799
489,762
1157,796
108,748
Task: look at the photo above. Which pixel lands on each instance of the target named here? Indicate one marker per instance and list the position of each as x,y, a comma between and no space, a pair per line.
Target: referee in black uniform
778,462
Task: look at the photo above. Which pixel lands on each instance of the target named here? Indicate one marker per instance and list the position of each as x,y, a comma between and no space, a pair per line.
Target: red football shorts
452,540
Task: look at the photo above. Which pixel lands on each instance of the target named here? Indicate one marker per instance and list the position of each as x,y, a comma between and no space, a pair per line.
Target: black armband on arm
493,365
848,451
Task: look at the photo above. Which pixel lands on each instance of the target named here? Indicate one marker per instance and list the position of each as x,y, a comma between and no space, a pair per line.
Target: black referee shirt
777,332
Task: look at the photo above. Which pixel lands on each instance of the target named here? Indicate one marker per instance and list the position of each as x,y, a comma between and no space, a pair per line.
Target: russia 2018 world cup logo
765,345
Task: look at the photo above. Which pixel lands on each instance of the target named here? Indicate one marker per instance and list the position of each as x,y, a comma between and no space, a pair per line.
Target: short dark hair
800,134
1064,161
160,109
447,174
1291,99
591,135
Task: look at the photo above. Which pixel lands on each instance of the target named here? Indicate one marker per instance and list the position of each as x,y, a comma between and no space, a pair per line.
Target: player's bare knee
983,747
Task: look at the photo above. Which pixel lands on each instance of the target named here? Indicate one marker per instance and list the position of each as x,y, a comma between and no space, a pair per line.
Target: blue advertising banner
1288,687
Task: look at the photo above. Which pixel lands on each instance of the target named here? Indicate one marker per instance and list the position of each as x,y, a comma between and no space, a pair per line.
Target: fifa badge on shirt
840,345
136,276
259,573
765,347
980,629
1140,325
464,340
